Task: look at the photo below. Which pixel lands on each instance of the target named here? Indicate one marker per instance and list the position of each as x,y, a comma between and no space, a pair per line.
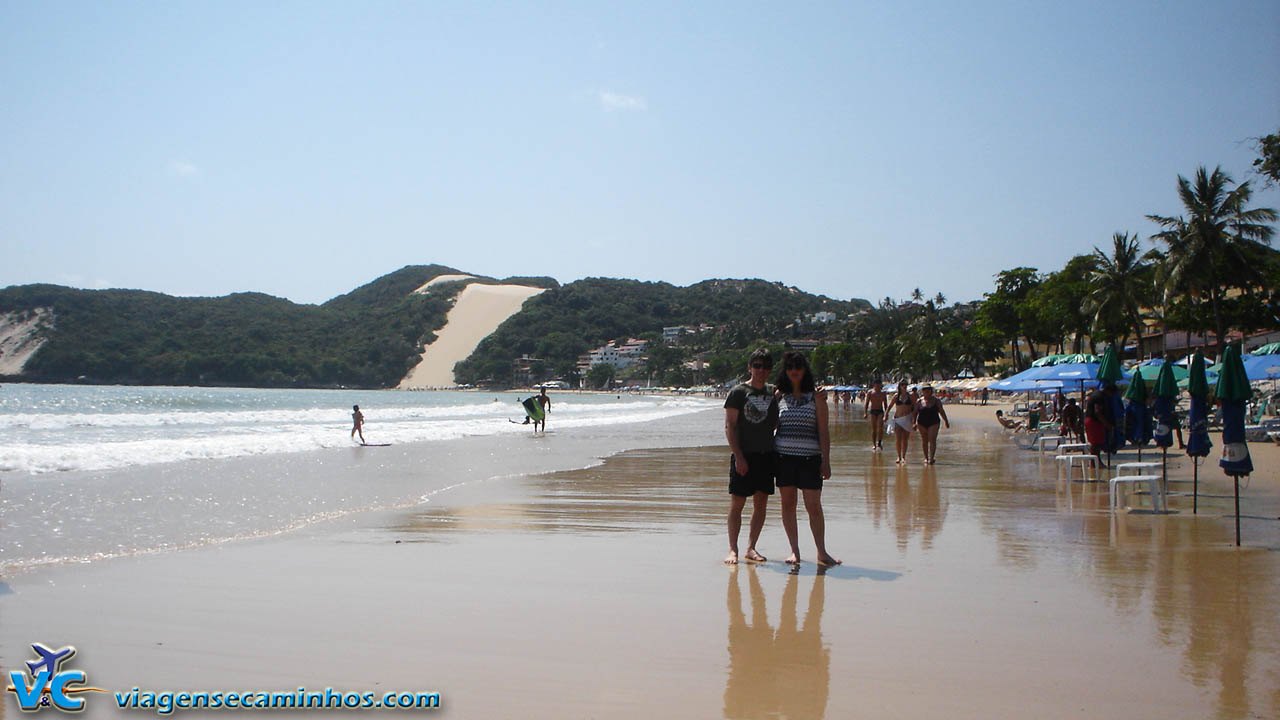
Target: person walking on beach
984,396
929,415
874,408
545,401
1097,421
904,414
804,453
750,417
1072,421
357,419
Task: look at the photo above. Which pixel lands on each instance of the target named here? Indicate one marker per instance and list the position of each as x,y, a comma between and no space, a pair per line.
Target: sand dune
477,312
442,279
19,339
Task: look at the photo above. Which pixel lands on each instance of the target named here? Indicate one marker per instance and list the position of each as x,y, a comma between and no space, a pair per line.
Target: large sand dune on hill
477,312
20,338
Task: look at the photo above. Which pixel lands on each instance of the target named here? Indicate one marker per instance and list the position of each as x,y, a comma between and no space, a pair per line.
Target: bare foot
826,559
754,556
732,559
793,559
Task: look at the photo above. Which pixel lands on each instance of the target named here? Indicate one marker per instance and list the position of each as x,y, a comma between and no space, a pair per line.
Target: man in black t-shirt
750,417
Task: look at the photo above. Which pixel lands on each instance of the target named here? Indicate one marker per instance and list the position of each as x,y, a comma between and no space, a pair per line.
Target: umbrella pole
1237,479
1195,486
1164,470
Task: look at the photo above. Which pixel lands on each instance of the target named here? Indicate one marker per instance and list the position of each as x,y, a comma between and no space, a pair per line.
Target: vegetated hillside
368,337
562,323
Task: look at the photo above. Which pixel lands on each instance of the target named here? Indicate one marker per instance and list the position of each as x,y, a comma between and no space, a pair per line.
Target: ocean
94,472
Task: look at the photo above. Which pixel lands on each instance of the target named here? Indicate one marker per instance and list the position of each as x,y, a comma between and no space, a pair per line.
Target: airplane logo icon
50,660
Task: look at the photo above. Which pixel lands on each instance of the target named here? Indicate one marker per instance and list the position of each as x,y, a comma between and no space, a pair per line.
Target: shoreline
979,587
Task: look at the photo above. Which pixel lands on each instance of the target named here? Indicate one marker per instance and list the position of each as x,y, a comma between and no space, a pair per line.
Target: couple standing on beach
777,433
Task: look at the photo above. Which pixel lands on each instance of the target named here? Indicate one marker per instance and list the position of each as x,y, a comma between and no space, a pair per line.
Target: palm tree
1219,245
1120,288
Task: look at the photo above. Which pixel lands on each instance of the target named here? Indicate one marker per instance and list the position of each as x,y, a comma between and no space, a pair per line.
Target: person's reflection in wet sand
902,507
776,674
749,691
877,491
803,664
929,510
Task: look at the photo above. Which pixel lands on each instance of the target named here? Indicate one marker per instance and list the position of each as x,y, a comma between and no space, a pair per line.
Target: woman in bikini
929,415
904,417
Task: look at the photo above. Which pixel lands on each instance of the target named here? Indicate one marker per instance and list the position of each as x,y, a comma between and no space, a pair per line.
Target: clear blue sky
851,149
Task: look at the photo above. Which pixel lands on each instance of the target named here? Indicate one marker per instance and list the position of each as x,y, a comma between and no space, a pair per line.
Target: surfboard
533,409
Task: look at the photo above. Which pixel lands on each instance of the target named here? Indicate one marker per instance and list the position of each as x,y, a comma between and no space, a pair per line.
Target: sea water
94,472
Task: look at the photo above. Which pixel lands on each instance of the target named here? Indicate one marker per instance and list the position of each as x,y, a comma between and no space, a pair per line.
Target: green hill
368,337
562,323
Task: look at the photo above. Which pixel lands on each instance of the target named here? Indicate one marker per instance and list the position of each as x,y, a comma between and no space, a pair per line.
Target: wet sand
980,587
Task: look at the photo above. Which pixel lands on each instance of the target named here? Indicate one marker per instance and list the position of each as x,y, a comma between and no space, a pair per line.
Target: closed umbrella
1166,392
1109,372
1137,421
1198,442
1233,391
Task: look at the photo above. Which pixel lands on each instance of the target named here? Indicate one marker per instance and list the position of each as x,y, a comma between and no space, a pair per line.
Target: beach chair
1027,440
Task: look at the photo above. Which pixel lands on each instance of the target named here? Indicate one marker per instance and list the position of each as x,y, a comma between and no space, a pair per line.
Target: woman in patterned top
804,452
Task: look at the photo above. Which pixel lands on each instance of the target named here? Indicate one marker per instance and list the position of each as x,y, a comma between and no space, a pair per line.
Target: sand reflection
782,672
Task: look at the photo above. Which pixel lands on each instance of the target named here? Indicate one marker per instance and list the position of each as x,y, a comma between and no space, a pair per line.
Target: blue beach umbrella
1018,380
1233,391
1261,367
1198,442
1137,421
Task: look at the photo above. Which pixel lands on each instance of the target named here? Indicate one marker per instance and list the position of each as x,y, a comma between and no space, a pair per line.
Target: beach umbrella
1198,442
1261,367
1151,370
1137,420
1233,391
1166,392
1268,349
1018,379
1109,371
1047,360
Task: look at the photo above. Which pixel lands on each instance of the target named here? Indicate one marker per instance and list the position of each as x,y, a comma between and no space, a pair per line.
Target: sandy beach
477,312
983,586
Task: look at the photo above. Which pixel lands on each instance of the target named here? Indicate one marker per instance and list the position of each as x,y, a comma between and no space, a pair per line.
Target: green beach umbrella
1166,392
1233,384
1233,391
1167,381
1137,391
1198,442
1197,382
1268,349
1152,370
1109,370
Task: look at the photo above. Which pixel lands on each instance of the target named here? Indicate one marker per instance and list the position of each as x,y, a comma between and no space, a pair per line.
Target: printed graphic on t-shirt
756,409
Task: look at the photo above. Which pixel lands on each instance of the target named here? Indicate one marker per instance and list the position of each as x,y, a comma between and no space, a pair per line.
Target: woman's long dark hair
793,358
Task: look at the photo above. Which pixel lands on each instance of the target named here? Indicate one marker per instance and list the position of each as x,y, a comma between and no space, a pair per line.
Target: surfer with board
544,402
750,418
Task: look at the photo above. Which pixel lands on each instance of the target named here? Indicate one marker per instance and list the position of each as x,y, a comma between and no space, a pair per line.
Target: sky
851,149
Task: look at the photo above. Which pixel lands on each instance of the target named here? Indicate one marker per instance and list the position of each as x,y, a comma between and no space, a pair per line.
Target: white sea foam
98,429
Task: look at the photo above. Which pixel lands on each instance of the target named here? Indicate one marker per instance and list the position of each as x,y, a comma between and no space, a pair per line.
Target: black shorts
804,472
759,477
